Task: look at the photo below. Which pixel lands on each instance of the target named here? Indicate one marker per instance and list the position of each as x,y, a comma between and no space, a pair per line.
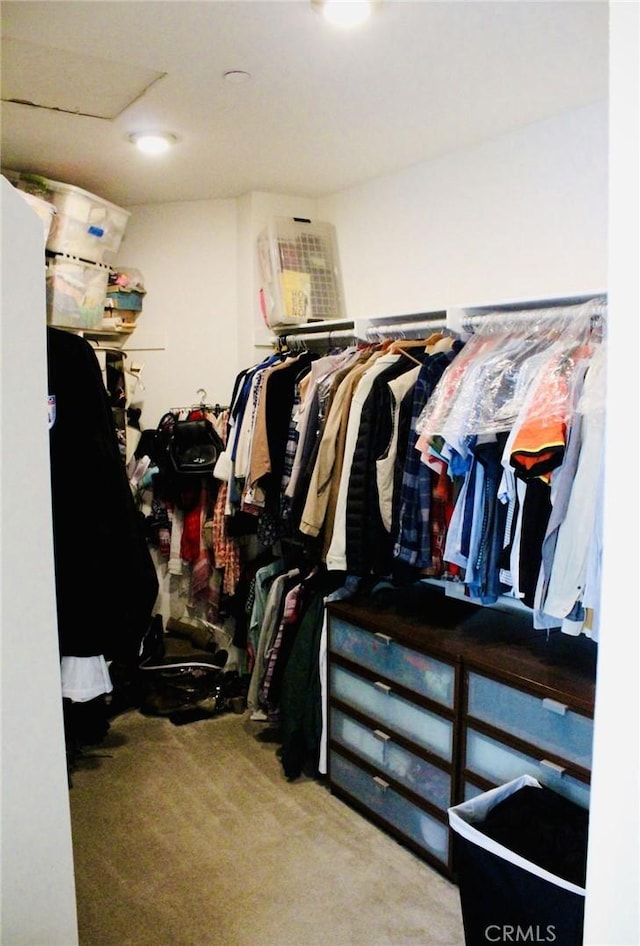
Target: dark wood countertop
502,644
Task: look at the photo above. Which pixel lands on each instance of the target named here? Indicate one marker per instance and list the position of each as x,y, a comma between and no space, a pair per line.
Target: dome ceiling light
345,13
153,142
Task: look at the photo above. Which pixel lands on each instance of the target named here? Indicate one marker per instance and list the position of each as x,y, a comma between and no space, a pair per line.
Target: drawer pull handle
382,736
380,782
382,687
384,638
554,706
555,768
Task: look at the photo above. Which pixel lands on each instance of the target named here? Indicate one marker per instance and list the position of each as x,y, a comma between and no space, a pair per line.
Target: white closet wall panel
612,910
38,891
188,329
522,216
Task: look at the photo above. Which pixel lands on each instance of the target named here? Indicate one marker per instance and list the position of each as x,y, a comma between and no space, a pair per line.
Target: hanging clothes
321,501
301,698
412,534
273,608
509,402
574,575
435,460
337,552
367,544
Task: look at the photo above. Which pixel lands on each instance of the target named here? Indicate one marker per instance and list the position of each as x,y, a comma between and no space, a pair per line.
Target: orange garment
539,442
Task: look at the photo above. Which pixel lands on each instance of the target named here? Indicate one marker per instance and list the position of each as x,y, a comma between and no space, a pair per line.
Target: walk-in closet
317,522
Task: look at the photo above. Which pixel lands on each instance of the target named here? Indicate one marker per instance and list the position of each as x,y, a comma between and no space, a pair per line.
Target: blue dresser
432,700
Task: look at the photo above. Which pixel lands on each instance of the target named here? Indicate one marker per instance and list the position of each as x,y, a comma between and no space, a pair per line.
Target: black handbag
194,446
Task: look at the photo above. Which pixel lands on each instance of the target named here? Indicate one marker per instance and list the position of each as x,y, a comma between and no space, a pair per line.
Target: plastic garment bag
485,388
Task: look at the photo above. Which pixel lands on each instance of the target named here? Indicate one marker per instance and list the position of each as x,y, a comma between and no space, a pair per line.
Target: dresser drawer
544,723
378,652
373,792
419,776
499,763
471,790
378,701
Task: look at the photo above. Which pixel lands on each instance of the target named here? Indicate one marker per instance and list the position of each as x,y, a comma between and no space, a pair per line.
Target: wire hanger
215,409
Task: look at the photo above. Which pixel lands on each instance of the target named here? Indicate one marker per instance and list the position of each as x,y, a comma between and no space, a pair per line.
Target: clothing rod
406,329
108,349
316,325
595,309
328,337
209,408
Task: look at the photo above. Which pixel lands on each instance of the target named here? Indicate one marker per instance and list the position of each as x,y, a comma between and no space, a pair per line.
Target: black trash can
520,857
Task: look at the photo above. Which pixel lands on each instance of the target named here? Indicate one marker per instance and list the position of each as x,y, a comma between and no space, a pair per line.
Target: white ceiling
325,109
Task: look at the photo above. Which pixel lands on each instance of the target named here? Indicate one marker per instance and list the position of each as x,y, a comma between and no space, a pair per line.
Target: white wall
200,320
36,868
521,216
186,252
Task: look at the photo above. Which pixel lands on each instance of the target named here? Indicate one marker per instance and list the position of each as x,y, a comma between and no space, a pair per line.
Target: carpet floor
192,836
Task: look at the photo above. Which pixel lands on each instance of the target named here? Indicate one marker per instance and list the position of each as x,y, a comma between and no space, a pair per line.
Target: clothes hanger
215,409
433,338
406,354
399,344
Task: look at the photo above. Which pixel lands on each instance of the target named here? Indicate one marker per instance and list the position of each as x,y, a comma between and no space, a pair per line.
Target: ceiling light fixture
153,142
344,13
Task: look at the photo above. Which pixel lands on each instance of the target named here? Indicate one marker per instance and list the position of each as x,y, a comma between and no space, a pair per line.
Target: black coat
106,583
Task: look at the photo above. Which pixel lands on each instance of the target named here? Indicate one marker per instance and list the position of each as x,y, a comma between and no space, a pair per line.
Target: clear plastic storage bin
84,226
301,278
76,293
